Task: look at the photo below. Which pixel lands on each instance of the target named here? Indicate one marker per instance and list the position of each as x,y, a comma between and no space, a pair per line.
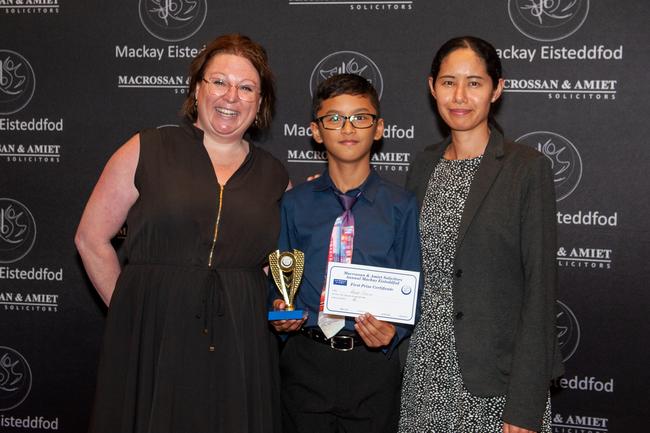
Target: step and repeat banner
77,79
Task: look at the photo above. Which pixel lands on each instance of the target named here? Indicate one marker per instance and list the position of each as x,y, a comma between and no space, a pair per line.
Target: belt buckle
347,340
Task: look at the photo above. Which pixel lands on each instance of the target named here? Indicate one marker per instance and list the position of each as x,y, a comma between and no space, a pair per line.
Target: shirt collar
368,188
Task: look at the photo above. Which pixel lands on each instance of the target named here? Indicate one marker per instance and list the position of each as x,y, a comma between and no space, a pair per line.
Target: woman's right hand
286,325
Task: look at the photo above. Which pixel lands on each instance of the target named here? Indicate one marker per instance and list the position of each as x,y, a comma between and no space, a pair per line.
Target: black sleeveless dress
187,347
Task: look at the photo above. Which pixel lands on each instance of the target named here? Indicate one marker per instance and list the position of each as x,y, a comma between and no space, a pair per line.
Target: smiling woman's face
227,117
463,91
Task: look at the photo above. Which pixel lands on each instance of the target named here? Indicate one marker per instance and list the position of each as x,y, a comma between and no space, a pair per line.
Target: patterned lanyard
342,238
341,246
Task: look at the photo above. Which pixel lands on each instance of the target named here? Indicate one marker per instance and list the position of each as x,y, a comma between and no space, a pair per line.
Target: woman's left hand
374,333
509,428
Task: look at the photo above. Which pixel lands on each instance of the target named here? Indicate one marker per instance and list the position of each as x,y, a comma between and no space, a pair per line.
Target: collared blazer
505,278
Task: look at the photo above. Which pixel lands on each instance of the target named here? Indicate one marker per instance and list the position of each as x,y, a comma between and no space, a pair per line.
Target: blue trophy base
286,315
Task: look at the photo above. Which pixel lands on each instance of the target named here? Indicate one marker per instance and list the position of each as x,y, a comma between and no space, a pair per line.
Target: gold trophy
287,268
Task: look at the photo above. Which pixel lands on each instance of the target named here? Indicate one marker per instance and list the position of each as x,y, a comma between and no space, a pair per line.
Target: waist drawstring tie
212,300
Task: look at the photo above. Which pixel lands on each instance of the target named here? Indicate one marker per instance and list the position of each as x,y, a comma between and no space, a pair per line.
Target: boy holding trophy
343,373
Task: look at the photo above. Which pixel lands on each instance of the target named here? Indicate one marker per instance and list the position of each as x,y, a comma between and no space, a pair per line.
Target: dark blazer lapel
482,182
418,178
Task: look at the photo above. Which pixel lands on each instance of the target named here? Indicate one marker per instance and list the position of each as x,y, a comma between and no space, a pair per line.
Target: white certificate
388,294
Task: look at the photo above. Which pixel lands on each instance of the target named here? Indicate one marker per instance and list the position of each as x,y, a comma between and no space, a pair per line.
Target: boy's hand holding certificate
388,294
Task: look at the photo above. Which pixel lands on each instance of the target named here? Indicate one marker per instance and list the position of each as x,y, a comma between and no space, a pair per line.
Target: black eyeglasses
337,121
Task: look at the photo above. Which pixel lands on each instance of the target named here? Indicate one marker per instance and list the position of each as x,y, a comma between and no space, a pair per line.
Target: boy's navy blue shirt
385,234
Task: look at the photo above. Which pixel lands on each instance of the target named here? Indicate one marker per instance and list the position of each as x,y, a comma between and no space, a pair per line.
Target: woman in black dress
187,346
484,350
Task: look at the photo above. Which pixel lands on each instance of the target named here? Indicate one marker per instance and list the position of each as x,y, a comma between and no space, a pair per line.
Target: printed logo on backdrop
29,6
564,157
584,258
15,378
553,20
38,302
359,5
172,20
17,230
380,161
568,331
552,53
548,20
584,383
346,62
17,82
17,86
554,89
588,218
178,83
17,237
579,424
30,153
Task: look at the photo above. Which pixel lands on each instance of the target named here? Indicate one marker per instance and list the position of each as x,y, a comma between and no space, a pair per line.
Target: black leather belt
341,342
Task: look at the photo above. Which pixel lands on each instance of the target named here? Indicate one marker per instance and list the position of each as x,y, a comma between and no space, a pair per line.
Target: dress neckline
198,134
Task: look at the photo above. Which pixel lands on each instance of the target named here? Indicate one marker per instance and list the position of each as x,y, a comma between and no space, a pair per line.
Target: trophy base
286,315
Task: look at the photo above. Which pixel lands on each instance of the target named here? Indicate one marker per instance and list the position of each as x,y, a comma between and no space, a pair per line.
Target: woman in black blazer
485,349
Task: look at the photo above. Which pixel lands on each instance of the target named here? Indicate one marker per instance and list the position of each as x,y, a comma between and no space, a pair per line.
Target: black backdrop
79,78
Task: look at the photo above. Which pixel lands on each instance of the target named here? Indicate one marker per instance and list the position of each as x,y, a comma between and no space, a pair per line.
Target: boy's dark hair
344,84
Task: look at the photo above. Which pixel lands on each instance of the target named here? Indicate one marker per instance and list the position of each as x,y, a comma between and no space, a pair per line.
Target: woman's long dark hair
484,50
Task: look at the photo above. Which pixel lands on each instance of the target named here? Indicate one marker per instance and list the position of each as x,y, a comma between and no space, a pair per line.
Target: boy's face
348,144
